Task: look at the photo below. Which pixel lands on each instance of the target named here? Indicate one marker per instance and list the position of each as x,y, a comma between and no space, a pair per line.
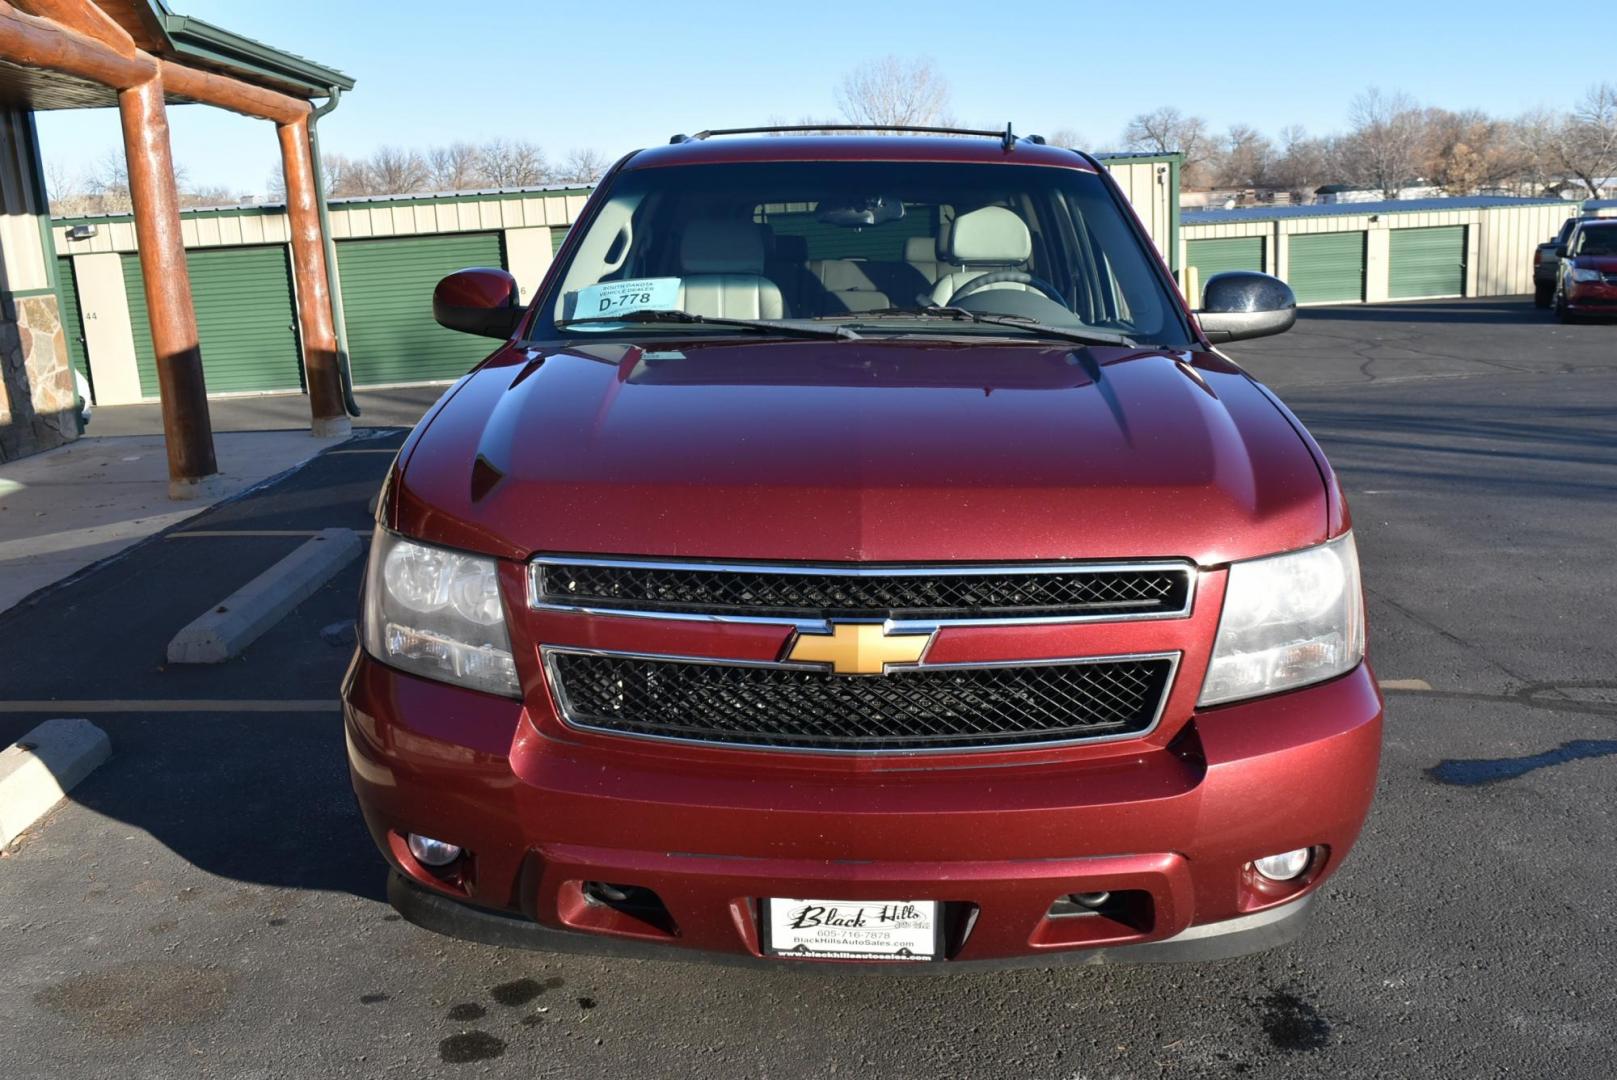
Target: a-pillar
186,426
329,415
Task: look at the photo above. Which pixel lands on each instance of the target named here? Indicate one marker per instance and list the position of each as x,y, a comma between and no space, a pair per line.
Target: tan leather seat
722,265
981,242
921,252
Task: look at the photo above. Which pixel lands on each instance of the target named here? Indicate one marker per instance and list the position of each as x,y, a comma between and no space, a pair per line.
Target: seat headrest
921,249
990,235
722,247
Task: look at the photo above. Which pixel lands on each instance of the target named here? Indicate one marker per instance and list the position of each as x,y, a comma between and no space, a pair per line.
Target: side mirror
1560,251
1241,304
478,301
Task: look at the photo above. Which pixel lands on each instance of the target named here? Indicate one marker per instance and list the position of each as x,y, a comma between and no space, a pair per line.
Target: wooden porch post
328,414
186,426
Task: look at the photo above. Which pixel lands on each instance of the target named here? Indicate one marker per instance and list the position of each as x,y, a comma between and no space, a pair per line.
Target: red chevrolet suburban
857,553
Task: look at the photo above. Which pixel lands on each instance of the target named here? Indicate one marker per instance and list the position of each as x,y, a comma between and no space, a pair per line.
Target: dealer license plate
852,929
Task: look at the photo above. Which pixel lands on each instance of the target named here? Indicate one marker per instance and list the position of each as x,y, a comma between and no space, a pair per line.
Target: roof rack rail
1008,138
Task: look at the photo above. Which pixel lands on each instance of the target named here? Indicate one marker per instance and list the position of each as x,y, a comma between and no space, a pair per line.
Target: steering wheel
1001,276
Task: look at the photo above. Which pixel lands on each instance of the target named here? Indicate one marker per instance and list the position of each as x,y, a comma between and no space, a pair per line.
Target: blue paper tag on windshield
607,298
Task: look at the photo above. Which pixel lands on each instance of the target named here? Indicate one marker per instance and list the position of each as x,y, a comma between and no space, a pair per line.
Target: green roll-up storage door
1211,257
1327,267
387,299
246,323
558,237
67,291
1426,262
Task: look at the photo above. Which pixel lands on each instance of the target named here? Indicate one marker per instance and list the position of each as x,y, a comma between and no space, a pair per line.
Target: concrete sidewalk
399,406
62,510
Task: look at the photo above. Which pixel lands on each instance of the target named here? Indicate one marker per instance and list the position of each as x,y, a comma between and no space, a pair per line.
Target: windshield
1601,241
882,246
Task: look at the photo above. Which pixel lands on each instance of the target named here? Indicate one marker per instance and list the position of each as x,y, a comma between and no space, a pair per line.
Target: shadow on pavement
1518,309
254,794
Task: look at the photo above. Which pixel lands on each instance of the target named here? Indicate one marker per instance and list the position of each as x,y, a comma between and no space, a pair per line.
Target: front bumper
1592,298
1171,825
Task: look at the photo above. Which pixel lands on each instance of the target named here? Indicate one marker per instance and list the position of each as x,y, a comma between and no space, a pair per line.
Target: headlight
1585,276
437,613
1288,620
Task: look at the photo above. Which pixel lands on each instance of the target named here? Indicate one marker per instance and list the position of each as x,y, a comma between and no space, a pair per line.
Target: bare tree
1586,144
1385,140
1166,131
1533,137
513,163
1245,159
394,171
455,167
582,167
1067,137
891,92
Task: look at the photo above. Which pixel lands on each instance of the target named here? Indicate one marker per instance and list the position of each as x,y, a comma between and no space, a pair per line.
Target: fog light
430,852
1285,866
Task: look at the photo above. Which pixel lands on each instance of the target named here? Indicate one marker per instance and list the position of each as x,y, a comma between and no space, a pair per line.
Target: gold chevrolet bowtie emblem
858,648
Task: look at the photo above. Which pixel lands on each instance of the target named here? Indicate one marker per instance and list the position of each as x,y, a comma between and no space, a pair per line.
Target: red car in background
1586,281
857,553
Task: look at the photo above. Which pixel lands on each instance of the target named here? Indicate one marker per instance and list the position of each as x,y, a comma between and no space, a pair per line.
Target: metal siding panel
1327,267
387,298
1427,261
1211,257
245,320
558,236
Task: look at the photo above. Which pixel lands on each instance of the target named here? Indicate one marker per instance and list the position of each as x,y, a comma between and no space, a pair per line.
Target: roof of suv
968,149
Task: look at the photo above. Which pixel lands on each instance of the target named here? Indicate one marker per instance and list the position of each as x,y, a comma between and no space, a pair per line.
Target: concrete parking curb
237,621
42,766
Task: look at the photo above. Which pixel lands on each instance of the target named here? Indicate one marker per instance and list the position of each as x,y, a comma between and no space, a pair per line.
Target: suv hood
870,450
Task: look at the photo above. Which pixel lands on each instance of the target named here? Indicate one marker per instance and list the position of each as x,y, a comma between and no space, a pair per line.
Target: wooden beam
233,94
320,363
187,430
87,19
34,42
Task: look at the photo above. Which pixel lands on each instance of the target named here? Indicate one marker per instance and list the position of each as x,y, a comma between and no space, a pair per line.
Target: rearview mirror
1240,304
481,300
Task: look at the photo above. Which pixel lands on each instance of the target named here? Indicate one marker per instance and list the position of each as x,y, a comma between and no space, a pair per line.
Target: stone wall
38,397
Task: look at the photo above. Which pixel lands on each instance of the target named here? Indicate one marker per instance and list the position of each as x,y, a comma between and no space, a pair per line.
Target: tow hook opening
612,907
1096,917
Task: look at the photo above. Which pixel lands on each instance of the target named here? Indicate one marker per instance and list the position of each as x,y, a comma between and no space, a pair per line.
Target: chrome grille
908,709
949,592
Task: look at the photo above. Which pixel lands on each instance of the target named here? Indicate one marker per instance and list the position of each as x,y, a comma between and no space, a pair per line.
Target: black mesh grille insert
907,709
768,592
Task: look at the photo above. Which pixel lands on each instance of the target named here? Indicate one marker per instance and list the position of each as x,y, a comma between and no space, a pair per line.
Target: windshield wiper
1084,336
686,318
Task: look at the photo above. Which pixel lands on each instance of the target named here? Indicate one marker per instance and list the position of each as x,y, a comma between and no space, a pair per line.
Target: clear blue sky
627,74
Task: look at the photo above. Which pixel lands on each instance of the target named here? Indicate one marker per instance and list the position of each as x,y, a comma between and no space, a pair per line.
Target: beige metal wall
1149,189
1499,241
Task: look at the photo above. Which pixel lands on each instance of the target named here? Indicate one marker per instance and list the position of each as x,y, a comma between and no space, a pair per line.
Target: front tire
1562,314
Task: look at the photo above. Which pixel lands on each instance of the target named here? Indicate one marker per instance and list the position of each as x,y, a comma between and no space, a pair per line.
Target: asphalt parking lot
209,904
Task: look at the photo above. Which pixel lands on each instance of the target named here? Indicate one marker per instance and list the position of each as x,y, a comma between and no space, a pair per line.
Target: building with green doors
1346,253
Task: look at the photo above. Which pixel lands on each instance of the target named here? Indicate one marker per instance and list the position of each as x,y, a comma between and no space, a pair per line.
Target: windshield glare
849,242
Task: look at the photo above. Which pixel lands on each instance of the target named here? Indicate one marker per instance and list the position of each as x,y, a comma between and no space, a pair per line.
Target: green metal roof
214,46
